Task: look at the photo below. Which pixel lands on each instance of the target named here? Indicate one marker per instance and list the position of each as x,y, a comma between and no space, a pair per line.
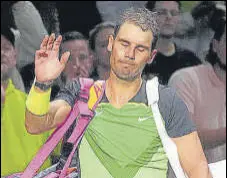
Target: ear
153,54
110,44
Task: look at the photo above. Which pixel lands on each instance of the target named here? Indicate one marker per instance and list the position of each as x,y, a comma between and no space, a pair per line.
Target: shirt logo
141,119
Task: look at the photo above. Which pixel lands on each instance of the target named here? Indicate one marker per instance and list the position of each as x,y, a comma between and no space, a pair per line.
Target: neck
165,46
221,74
119,91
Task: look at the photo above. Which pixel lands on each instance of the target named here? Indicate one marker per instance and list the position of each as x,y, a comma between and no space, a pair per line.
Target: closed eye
124,44
140,49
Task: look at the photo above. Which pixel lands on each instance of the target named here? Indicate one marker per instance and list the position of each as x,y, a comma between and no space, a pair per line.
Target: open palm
47,64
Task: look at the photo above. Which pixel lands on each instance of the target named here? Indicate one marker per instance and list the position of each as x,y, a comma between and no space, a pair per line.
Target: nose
130,53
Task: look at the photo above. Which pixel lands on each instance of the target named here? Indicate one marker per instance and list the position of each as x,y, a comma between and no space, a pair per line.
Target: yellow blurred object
95,92
38,102
188,5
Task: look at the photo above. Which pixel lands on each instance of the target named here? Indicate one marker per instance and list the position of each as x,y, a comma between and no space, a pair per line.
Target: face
130,51
8,58
220,48
168,16
80,61
101,42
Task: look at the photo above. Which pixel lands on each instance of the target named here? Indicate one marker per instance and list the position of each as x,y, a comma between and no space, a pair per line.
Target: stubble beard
130,76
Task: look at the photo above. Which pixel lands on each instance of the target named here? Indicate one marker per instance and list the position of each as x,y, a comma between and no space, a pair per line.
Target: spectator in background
170,57
203,32
98,39
80,63
13,132
17,146
203,88
28,31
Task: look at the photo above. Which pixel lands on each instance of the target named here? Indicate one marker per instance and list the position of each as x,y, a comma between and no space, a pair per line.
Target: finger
64,58
57,43
51,41
43,45
40,54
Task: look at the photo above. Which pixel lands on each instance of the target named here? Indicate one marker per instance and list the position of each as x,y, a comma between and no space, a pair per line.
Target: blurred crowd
191,58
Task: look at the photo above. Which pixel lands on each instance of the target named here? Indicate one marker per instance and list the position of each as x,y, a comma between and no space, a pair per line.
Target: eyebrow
122,40
137,46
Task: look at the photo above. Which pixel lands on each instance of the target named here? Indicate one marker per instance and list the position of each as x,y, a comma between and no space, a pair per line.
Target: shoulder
168,99
174,112
187,75
166,94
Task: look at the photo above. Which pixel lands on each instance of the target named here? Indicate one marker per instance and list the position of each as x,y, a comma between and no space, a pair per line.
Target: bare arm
191,156
58,111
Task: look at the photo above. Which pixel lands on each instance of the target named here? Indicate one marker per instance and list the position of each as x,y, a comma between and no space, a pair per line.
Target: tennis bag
83,116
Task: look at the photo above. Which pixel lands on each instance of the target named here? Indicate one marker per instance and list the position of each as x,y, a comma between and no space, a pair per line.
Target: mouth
127,63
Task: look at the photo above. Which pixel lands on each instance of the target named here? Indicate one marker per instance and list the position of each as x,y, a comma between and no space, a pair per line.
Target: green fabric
122,143
187,6
17,146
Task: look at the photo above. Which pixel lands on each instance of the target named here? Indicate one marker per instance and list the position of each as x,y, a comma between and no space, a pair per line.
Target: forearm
38,124
212,138
37,120
192,157
201,170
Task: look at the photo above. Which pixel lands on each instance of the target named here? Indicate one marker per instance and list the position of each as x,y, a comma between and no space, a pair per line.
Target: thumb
65,57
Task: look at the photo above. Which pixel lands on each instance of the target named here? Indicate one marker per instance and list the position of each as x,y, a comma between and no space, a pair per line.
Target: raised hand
47,64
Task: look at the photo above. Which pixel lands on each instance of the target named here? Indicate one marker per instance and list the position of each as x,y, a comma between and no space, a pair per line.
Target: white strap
169,146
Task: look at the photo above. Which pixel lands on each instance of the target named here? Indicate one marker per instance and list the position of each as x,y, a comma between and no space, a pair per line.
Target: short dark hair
8,34
217,22
150,5
93,33
73,35
141,17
